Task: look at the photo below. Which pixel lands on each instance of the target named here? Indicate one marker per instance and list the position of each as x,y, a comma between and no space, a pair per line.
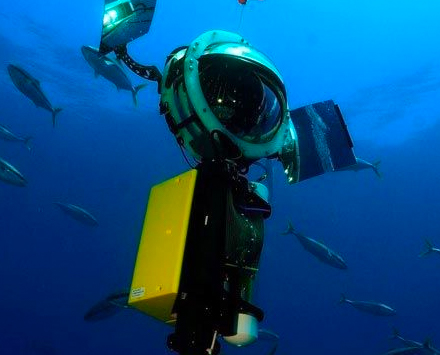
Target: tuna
31,88
362,164
429,249
406,342
78,213
7,135
375,308
422,349
11,175
111,70
318,249
108,307
410,350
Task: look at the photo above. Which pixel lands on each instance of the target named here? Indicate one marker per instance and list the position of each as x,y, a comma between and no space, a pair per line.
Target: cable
185,157
241,18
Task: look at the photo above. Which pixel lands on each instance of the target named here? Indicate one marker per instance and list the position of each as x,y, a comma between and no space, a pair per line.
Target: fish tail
376,170
343,299
290,228
55,112
135,92
27,142
429,247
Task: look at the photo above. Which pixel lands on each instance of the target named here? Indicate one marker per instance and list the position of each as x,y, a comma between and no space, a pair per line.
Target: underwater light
117,11
110,17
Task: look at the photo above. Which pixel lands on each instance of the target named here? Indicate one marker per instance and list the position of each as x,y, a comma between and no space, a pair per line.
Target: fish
11,175
425,348
31,88
429,249
362,164
410,350
318,249
108,307
7,135
375,308
406,342
111,70
78,213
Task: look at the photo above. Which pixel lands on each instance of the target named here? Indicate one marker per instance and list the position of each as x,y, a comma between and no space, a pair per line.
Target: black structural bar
149,72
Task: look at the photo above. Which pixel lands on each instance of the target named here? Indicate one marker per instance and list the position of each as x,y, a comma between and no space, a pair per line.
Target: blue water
378,60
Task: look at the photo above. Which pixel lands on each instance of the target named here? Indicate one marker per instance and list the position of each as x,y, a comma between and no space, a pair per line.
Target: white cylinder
247,331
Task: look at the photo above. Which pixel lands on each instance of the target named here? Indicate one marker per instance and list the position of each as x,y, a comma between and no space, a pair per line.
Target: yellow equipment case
159,260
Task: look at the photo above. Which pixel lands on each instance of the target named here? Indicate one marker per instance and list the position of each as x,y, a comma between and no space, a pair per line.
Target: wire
185,157
241,18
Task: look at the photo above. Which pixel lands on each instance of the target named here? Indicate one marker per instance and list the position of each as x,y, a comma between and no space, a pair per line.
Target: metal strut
149,72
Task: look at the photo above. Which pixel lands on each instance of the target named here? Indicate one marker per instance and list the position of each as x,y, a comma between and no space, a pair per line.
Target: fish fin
55,111
290,228
135,92
96,74
343,299
375,167
428,250
27,142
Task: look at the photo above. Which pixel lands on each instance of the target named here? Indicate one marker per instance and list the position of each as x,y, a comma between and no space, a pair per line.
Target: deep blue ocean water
379,60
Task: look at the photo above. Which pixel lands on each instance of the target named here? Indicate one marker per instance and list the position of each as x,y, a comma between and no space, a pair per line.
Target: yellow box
160,255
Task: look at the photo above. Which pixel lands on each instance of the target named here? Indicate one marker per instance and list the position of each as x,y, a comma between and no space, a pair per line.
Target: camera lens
240,98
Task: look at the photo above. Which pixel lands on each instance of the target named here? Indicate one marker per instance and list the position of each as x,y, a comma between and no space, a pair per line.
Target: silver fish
78,213
425,348
410,350
31,88
319,250
108,307
378,309
111,70
429,249
7,135
11,175
362,164
406,342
